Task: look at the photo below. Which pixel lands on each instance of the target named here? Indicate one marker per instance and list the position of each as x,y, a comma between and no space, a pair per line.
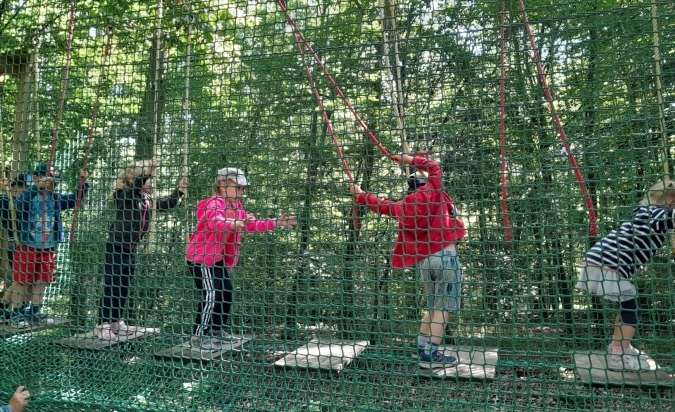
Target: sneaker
37,319
223,336
435,359
5,315
103,331
122,329
417,351
627,362
208,343
17,320
640,354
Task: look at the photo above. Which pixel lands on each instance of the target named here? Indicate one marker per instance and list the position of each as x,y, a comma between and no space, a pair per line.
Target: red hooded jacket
426,222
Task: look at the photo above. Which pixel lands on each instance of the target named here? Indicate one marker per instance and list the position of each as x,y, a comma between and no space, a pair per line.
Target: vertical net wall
203,85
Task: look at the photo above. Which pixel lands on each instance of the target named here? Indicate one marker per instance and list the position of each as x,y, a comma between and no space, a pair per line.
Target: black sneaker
36,319
17,320
5,315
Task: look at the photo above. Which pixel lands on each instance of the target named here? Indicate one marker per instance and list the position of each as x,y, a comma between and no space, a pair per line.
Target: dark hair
415,182
21,180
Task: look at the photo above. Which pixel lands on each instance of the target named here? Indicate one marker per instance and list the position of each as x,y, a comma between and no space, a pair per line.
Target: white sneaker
626,362
123,329
640,354
103,332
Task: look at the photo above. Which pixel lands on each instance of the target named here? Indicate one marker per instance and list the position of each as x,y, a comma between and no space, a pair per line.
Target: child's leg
223,298
438,320
624,325
204,281
18,291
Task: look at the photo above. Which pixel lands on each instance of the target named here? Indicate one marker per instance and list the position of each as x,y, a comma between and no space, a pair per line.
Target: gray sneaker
204,343
224,336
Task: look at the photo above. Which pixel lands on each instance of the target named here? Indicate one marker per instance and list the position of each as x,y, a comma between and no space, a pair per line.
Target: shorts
605,282
441,274
34,265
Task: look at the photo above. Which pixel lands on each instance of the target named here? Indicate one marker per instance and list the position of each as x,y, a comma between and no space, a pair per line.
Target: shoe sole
436,365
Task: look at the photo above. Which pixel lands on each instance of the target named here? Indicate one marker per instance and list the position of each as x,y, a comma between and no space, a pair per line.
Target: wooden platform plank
332,355
474,362
90,341
7,330
188,351
592,369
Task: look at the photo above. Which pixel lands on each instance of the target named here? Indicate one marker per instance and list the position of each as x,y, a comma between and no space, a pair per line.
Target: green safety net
205,84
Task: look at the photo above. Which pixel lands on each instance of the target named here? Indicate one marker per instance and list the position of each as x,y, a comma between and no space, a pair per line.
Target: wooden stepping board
186,351
7,330
333,355
475,362
592,369
90,341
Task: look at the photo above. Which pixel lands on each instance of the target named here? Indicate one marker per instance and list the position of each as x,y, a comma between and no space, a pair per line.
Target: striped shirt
635,242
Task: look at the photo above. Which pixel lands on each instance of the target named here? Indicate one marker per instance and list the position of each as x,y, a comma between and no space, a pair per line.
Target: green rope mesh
202,85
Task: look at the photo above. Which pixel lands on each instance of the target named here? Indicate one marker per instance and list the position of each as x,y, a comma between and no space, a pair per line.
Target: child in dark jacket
133,213
428,229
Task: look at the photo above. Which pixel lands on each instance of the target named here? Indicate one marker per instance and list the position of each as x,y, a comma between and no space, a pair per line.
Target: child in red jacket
427,232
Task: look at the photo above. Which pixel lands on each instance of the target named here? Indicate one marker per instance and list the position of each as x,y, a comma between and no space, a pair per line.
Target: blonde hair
132,171
656,195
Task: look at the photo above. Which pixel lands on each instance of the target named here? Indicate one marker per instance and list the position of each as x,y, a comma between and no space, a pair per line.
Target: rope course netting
182,227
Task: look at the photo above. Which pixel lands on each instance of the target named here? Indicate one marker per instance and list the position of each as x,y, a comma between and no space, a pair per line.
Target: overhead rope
301,39
64,84
502,123
558,124
299,42
92,128
186,114
302,44
319,101
35,82
59,110
155,133
388,17
659,101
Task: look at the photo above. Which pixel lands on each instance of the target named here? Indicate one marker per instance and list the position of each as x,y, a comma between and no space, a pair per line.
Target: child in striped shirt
609,265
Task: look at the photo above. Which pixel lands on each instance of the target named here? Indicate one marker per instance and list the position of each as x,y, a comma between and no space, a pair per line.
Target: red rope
502,123
324,114
561,133
329,124
92,127
62,98
64,84
300,37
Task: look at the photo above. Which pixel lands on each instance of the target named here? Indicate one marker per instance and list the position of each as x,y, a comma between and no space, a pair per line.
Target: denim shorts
441,274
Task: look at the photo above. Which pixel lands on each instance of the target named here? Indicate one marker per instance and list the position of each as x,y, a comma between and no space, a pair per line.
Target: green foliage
247,104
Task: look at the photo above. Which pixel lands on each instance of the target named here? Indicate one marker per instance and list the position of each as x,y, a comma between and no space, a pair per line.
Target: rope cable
558,124
502,124
92,127
299,37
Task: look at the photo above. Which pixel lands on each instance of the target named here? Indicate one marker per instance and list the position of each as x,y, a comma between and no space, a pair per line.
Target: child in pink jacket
213,251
